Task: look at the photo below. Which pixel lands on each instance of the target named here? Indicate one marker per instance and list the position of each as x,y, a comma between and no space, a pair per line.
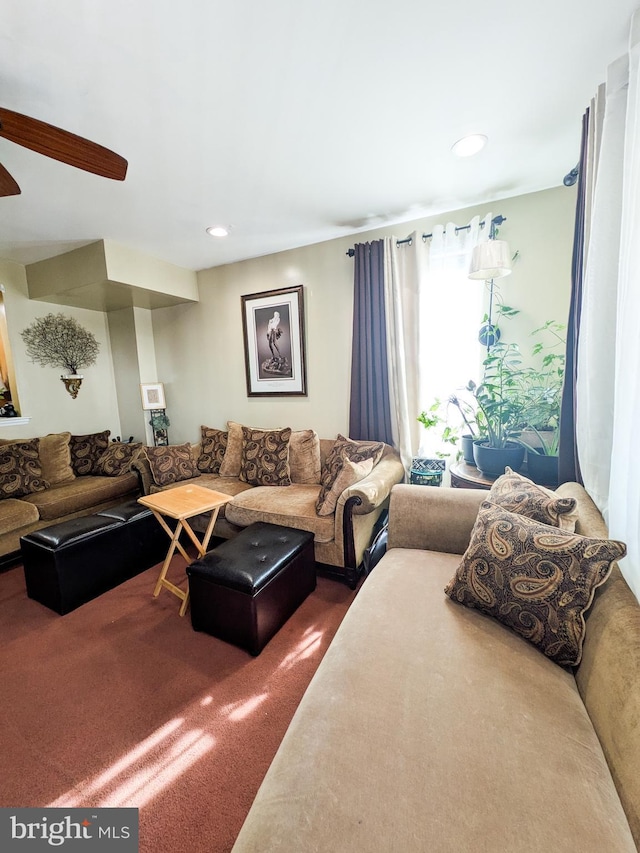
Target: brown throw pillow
345,448
304,457
171,464
265,457
536,579
20,469
230,465
55,458
518,494
212,449
117,459
350,474
86,450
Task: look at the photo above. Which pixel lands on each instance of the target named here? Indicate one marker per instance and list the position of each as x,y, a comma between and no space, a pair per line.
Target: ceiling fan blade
7,185
61,145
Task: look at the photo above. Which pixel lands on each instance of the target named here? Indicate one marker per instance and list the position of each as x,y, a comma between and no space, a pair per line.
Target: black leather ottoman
68,564
244,590
144,542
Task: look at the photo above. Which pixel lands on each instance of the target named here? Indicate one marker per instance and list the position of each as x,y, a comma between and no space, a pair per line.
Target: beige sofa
340,538
432,727
67,494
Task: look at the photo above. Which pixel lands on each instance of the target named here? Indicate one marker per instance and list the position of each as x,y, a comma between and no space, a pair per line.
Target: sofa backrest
608,677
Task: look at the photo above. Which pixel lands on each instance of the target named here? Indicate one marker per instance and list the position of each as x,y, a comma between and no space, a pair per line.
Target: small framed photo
153,396
273,328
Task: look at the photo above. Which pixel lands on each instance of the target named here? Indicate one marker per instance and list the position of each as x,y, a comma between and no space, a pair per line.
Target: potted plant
460,429
428,470
542,386
501,408
472,426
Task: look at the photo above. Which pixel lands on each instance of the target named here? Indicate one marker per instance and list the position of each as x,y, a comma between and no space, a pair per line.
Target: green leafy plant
465,420
436,416
542,388
499,396
159,421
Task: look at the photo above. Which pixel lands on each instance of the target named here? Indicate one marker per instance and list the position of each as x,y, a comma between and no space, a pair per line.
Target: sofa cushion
20,469
518,494
212,449
55,458
345,448
226,485
536,579
86,450
117,459
15,514
471,740
304,457
83,493
265,457
349,474
289,506
230,465
304,454
172,463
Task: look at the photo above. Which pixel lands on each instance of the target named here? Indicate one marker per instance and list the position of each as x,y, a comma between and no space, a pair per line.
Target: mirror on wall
9,402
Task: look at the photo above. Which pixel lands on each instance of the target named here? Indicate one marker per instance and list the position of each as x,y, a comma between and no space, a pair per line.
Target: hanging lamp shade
490,259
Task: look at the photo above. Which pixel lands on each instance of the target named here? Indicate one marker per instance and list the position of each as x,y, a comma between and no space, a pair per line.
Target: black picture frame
274,345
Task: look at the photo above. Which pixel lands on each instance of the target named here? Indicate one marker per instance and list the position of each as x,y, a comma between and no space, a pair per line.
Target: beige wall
42,395
199,348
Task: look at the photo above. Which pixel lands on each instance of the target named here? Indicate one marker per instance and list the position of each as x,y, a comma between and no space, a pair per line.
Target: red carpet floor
121,703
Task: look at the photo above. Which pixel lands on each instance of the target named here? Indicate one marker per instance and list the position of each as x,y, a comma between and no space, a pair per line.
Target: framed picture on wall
153,396
273,329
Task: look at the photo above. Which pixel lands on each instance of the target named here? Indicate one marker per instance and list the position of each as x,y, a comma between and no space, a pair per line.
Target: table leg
162,578
202,545
167,560
174,536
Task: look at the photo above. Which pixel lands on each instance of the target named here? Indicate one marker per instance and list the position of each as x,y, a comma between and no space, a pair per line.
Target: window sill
7,422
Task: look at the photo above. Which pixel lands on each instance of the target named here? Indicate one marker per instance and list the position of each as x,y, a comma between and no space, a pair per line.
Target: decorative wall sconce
60,341
72,384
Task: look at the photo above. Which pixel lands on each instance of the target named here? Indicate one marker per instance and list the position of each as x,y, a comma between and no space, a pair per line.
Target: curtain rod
497,220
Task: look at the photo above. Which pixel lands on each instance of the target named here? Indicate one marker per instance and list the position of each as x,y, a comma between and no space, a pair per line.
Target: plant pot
466,445
491,461
543,469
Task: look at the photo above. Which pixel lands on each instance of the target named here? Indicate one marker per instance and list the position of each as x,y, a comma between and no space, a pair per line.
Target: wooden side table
183,503
465,476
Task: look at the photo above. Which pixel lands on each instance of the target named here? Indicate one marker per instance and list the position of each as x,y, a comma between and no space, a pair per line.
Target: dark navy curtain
568,465
369,411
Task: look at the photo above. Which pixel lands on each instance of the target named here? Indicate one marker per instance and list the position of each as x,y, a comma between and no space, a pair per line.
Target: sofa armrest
373,490
140,464
433,518
359,508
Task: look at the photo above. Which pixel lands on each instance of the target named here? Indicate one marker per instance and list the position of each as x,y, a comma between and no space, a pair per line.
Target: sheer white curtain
405,267
624,498
608,395
433,315
596,347
450,318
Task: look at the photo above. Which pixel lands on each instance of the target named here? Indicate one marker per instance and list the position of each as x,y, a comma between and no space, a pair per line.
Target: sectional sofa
433,726
335,488
58,477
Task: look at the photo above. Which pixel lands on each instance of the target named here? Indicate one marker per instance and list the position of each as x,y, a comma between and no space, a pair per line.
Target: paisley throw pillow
536,579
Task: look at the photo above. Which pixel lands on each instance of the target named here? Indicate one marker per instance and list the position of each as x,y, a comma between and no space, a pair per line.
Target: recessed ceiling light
218,231
469,145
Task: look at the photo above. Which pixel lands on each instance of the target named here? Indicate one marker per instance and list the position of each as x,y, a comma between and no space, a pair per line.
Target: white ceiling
293,121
